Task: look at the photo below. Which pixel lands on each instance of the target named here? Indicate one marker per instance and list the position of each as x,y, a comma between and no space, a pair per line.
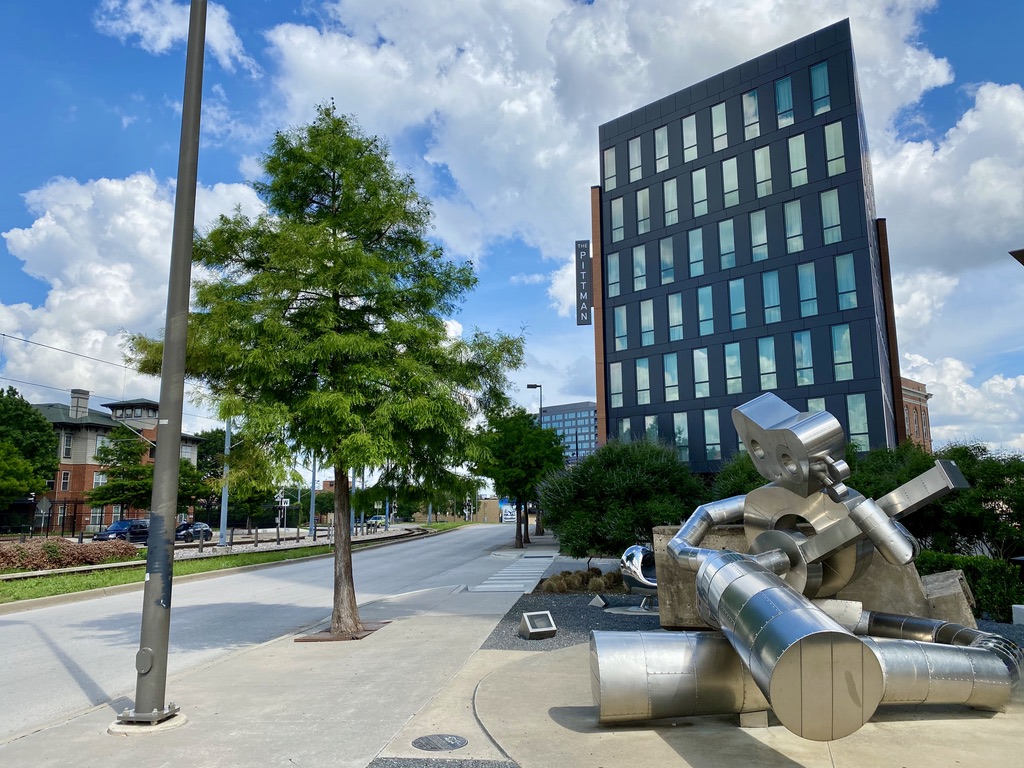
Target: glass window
612,270
661,149
834,155
701,380
695,237
671,202
68,442
803,357
758,236
643,381
705,311
815,404
668,261
857,414
643,211
634,159
621,338
751,127
615,384
733,369
651,428
699,181
784,102
763,171
639,268
98,479
726,244
832,230
772,300
689,138
670,365
625,430
730,182
646,322
842,352
719,133
609,169
794,227
675,316
797,161
766,362
712,435
681,435
819,88
618,230
737,305
846,281
96,516
808,290
65,481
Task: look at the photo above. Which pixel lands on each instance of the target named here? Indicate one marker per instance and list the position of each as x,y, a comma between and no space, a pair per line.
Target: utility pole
151,659
224,488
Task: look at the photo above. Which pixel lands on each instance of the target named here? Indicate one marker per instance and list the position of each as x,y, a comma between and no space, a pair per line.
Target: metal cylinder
823,683
929,673
888,536
654,675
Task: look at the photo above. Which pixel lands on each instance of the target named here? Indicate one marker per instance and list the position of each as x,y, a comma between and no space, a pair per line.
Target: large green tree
321,324
129,480
519,455
613,498
28,448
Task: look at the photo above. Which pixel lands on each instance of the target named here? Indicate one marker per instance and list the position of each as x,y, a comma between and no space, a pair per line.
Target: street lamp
540,408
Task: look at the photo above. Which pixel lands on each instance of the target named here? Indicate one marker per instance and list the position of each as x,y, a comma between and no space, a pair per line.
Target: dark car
193,531
127,530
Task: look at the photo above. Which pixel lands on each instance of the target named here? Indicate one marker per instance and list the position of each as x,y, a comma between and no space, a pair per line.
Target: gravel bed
575,617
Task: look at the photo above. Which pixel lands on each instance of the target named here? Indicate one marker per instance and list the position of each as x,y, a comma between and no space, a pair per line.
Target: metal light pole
312,500
540,408
151,660
224,488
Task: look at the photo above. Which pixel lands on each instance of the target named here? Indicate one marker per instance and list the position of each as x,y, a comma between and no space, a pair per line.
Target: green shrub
996,584
597,584
44,554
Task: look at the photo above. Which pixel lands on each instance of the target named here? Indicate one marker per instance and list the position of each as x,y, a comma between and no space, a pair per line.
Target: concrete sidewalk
423,674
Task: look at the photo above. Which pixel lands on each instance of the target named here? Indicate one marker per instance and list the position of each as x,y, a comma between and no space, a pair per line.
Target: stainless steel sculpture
821,670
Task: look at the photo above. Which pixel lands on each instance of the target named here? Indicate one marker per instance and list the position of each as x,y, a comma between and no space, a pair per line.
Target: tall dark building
737,251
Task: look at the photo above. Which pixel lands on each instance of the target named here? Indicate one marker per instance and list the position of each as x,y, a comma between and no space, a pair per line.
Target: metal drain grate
440,742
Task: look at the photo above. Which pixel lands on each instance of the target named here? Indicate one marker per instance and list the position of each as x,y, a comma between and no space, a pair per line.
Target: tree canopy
518,455
613,498
321,323
129,481
28,448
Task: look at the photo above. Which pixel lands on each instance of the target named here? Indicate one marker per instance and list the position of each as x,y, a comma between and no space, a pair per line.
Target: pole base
131,717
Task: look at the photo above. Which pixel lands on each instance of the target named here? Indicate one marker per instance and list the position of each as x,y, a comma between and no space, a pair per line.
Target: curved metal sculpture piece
809,536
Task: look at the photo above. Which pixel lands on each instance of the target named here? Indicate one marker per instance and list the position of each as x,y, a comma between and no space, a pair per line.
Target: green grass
443,526
66,583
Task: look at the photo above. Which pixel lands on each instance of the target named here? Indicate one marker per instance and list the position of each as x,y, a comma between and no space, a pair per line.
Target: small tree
322,324
129,481
519,454
615,497
29,448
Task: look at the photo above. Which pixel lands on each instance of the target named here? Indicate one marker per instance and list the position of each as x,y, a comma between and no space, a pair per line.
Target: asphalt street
67,658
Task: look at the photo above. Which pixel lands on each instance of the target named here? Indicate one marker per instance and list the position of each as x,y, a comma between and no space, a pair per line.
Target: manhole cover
440,742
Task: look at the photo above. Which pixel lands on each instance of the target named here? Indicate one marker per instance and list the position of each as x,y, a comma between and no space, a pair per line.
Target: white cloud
103,247
524,279
159,25
960,410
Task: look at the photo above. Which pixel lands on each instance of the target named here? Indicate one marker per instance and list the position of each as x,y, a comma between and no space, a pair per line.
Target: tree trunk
538,529
519,525
345,612
526,524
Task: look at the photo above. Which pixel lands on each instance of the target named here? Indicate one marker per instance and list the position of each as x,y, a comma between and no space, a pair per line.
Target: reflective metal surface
809,535
637,568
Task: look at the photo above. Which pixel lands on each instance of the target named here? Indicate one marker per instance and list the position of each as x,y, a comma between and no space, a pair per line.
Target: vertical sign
584,303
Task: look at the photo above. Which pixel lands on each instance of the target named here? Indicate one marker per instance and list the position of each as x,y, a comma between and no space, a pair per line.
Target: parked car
377,521
193,531
136,531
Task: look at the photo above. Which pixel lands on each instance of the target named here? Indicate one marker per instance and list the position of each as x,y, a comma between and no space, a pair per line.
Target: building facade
576,424
81,431
737,252
915,413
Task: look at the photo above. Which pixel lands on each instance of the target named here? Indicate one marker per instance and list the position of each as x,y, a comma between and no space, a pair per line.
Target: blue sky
494,108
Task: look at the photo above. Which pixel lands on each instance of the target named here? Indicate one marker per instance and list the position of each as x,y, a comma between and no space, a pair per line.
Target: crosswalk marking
520,576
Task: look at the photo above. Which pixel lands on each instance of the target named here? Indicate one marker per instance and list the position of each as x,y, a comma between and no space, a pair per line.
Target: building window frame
803,358
831,224
793,215
675,317
643,381
609,169
613,268
846,281
842,352
726,244
635,154
670,371
751,123
615,385
730,183
646,322
820,92
705,310
639,267
699,185
763,170
772,296
621,329
808,289
737,304
758,236
835,154
784,102
797,160
701,374
712,435
671,197
733,369
667,259
643,211
661,149
695,251
681,435
689,125
767,365
857,419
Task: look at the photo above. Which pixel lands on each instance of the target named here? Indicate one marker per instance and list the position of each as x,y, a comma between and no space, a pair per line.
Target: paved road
63,659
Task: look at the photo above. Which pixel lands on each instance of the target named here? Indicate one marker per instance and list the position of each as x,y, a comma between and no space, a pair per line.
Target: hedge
996,584
40,554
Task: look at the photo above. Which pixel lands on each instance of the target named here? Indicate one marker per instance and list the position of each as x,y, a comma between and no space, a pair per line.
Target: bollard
81,536
279,535
231,537
256,539
21,539
202,538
